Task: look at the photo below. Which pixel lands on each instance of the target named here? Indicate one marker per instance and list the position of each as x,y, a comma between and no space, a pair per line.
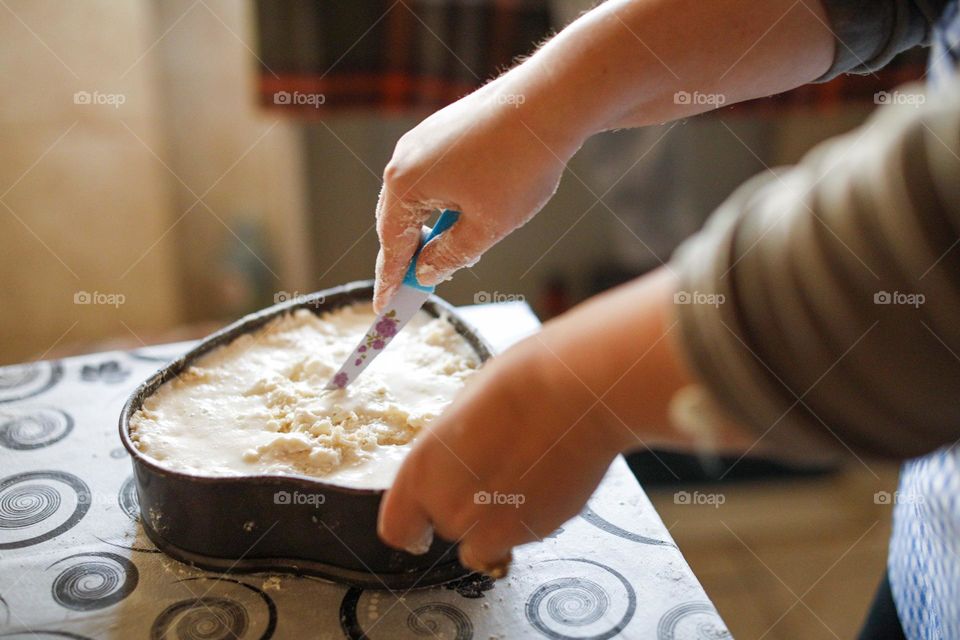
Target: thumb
460,246
403,523
398,228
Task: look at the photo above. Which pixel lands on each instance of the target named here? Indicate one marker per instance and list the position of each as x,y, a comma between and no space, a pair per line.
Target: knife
404,304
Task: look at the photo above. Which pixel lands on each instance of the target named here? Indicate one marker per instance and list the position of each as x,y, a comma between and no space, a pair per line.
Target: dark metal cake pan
289,523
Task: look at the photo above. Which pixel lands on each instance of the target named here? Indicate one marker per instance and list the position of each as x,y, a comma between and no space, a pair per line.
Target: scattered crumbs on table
272,583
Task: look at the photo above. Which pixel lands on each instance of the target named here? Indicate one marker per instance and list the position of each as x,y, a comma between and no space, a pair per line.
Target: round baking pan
280,523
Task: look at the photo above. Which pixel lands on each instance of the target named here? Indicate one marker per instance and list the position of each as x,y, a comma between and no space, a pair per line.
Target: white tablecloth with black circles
74,562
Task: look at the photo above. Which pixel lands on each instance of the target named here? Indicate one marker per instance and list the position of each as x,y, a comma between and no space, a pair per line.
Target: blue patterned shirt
924,559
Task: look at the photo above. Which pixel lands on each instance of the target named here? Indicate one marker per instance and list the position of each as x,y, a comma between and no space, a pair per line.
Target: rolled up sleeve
869,33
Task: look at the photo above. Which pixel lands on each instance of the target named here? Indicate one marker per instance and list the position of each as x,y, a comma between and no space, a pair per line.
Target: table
74,562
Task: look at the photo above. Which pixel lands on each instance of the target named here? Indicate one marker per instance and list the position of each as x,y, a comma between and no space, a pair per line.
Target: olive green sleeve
869,33
821,303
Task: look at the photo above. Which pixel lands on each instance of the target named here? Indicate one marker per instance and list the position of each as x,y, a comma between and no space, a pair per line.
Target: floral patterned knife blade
402,307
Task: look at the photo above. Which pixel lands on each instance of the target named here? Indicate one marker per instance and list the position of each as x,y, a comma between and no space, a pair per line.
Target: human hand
539,424
513,458
496,156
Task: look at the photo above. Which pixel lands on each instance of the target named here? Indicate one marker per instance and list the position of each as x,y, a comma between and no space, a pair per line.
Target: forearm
820,309
622,63
616,359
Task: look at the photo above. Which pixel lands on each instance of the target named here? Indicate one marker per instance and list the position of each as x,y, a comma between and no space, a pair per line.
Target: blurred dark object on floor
555,299
610,275
668,469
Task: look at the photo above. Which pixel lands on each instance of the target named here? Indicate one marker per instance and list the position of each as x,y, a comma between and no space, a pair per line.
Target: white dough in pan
256,406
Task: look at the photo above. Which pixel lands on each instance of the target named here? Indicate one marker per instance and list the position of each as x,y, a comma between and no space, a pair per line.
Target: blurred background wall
138,169
141,164
82,200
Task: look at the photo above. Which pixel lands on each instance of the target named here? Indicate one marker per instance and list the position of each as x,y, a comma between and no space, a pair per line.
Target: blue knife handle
444,222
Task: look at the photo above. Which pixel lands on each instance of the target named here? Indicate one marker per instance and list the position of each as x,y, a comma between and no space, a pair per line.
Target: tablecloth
74,562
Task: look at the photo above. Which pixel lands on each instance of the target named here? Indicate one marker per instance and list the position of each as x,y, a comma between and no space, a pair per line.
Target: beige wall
105,199
96,192
86,200
220,140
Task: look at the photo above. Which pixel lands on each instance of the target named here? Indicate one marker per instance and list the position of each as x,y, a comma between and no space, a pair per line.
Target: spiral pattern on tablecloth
128,499
432,619
574,602
207,618
21,381
36,506
587,600
603,524
228,610
694,620
94,581
34,428
27,504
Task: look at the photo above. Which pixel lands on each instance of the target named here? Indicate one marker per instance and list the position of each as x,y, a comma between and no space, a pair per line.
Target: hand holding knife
404,304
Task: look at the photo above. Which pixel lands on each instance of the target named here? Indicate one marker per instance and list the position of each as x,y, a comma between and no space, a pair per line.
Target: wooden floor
788,559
